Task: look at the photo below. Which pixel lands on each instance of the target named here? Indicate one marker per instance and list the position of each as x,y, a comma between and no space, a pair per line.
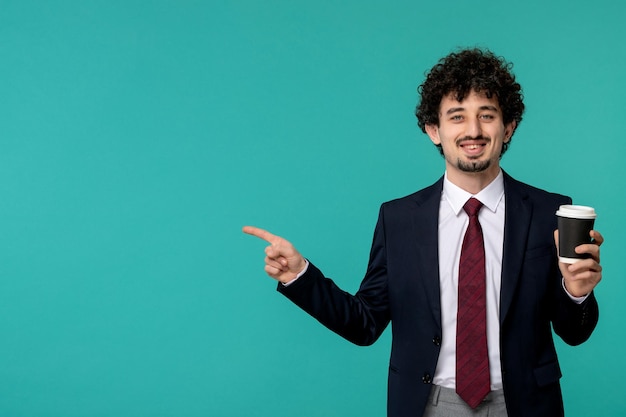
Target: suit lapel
425,232
517,218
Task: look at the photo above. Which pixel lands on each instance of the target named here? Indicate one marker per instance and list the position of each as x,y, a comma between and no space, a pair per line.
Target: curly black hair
466,71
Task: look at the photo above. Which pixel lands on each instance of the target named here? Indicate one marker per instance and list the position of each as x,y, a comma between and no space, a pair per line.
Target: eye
456,118
487,116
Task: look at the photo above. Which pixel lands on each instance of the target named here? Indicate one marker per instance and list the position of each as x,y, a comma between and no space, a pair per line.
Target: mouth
473,147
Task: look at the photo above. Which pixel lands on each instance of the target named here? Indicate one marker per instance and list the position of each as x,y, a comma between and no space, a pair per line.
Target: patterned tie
472,361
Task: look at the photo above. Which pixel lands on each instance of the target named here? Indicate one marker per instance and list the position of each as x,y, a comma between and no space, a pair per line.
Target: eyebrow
457,109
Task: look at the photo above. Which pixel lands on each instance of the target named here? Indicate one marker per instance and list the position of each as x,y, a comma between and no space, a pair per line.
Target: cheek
501,133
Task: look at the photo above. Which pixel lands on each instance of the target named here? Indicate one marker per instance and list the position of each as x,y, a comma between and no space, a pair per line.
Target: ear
509,130
433,133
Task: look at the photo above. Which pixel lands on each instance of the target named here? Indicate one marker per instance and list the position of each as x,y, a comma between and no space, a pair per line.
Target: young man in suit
468,261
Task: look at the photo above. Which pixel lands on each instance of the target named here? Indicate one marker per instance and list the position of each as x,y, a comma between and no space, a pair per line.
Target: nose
473,128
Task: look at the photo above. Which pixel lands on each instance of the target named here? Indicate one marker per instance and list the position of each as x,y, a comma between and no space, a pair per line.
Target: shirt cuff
577,300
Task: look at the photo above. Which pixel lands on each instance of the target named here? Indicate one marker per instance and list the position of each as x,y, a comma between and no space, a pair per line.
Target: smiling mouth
473,146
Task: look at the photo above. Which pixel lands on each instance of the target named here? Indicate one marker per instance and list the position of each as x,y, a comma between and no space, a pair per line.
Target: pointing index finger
261,234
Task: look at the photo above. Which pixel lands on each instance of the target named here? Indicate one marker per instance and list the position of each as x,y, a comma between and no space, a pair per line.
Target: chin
473,166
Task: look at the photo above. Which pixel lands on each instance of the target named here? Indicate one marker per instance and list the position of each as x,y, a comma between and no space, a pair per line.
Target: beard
473,166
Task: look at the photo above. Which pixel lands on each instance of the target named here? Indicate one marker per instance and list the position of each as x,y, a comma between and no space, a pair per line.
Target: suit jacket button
426,378
437,341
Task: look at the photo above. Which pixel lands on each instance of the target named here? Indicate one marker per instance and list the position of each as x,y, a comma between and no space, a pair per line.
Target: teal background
138,137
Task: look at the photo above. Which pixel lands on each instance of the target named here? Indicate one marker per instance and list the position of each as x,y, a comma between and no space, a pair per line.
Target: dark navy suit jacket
402,286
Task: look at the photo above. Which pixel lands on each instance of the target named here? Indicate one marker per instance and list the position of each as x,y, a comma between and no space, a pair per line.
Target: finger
275,252
591,249
261,233
272,272
279,264
580,265
585,265
584,274
586,278
556,239
598,239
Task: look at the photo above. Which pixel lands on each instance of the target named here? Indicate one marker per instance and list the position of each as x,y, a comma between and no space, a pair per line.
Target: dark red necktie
472,361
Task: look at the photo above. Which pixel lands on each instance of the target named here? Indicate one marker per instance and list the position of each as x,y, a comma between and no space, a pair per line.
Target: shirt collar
490,196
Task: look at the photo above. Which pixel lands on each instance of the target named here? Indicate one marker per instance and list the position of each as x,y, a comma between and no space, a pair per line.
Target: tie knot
472,207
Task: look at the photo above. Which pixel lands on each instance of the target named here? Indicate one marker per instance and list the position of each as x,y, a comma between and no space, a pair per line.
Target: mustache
468,138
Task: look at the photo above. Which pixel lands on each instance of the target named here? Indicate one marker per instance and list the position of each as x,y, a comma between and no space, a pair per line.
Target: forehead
472,100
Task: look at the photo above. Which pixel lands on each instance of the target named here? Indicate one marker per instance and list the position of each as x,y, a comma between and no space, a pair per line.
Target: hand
581,277
282,261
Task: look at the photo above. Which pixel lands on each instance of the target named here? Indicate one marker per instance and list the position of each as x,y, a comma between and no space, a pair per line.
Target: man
469,261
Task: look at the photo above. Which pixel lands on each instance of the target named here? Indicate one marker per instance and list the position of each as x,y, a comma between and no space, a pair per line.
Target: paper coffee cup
575,223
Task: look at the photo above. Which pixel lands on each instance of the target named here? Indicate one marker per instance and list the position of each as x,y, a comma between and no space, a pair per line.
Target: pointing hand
282,261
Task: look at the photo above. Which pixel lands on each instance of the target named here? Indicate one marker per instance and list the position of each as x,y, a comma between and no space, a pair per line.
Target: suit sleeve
574,322
359,318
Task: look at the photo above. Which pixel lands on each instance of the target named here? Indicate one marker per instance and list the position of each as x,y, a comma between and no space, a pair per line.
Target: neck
472,182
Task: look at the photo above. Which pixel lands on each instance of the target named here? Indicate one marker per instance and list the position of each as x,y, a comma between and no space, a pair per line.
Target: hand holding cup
578,248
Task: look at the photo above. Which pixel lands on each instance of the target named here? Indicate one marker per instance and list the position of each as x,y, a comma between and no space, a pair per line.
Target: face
471,133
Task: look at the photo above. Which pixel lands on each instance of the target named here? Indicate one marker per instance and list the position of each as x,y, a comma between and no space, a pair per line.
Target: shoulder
514,188
418,198
411,213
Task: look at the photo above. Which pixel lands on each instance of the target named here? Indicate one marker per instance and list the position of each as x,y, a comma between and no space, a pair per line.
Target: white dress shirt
453,222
